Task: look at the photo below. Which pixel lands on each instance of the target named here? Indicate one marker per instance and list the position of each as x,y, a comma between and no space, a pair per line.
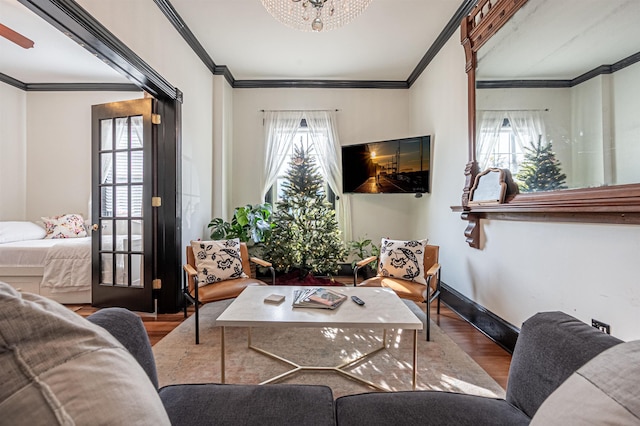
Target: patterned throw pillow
217,260
402,259
65,226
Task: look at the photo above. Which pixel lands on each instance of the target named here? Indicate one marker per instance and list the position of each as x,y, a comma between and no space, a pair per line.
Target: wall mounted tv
392,166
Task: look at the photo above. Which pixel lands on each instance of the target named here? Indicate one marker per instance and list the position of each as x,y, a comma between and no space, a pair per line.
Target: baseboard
488,323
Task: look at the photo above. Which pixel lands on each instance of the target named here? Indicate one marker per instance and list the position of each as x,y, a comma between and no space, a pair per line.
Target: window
506,153
122,169
301,138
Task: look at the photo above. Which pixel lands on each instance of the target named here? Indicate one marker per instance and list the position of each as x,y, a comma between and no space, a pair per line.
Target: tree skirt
293,278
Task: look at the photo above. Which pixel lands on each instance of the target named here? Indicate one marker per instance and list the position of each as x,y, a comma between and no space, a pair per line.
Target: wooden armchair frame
221,290
409,289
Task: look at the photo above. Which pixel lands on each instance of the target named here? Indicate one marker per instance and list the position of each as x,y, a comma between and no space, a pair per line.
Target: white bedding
33,253
65,263
67,266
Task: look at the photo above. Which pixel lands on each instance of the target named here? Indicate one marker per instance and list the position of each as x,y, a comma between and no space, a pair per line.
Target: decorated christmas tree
306,235
540,170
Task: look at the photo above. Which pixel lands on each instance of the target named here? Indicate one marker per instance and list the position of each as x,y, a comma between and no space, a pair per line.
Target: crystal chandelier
315,15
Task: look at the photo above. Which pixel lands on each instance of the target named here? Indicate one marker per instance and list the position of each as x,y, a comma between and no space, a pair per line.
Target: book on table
317,297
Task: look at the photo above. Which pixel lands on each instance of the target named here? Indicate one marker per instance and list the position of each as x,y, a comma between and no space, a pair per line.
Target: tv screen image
392,166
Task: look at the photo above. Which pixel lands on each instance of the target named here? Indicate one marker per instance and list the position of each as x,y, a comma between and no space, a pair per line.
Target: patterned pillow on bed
65,226
402,259
217,260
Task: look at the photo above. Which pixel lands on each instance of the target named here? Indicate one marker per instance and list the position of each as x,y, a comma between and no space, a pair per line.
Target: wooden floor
491,357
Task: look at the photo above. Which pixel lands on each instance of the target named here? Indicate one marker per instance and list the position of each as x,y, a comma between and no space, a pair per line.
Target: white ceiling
386,42
54,59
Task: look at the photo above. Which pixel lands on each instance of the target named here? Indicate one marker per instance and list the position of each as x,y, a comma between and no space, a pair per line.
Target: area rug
442,365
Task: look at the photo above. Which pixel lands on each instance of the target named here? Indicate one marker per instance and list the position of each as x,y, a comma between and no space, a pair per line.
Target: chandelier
315,15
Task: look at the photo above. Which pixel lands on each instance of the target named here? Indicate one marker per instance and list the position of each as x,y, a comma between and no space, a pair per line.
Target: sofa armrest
129,330
551,346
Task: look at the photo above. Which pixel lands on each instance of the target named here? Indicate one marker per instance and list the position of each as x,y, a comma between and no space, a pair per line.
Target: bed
56,268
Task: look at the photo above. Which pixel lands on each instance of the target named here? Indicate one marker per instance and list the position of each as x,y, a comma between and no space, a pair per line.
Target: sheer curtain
528,127
280,129
323,132
488,136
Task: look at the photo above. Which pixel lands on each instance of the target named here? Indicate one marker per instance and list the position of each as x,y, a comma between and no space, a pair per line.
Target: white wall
586,270
587,131
626,107
143,28
363,116
58,147
13,153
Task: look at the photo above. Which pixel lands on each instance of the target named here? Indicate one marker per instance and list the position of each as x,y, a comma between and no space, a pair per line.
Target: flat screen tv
392,166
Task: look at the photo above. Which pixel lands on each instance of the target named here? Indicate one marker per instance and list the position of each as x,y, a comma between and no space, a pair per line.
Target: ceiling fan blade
15,37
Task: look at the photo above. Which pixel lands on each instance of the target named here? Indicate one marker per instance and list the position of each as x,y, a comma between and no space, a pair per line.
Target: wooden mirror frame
606,204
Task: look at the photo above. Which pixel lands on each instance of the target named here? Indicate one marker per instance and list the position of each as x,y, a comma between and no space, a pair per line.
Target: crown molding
68,17
444,36
183,29
320,84
555,84
12,82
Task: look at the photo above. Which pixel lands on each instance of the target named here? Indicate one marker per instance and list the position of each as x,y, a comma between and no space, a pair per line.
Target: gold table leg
415,357
222,355
340,369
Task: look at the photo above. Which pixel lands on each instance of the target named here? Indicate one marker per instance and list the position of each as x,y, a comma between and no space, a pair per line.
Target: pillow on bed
58,368
65,226
20,231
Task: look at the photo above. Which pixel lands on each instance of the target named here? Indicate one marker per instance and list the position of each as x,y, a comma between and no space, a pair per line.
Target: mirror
563,76
558,95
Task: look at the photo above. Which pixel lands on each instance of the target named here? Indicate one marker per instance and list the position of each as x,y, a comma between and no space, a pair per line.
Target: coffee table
383,309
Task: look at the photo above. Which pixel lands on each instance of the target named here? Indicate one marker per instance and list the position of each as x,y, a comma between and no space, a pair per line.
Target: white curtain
528,127
280,129
323,132
488,135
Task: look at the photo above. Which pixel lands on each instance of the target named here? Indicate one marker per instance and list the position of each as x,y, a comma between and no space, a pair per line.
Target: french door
123,170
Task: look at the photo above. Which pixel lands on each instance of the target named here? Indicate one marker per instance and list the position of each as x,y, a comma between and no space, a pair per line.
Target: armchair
409,289
226,289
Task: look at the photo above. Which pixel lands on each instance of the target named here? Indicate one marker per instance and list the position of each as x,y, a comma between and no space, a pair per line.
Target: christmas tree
306,235
540,170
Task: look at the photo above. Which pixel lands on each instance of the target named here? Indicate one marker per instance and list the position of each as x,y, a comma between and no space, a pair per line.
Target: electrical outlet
605,328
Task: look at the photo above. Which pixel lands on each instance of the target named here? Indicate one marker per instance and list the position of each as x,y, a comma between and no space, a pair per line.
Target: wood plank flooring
491,357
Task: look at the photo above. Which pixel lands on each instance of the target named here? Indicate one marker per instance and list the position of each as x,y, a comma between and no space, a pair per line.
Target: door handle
94,227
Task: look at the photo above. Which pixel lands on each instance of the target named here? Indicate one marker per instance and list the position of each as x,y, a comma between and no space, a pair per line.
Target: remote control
357,300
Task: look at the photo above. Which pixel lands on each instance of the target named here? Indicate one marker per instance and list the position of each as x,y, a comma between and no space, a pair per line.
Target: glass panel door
122,238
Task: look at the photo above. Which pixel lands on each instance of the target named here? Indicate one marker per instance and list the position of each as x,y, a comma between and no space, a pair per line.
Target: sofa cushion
277,404
217,260
58,368
603,391
402,259
426,408
551,347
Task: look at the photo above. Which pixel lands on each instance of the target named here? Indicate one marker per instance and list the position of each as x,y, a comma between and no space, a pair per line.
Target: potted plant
362,249
251,224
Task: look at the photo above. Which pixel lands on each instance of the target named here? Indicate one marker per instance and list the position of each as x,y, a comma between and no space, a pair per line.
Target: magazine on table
317,297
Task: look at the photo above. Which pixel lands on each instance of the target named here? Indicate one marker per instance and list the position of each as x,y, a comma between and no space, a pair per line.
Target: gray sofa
550,348
58,368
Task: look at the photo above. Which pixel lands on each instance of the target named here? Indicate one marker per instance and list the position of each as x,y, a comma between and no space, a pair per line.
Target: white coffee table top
382,309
